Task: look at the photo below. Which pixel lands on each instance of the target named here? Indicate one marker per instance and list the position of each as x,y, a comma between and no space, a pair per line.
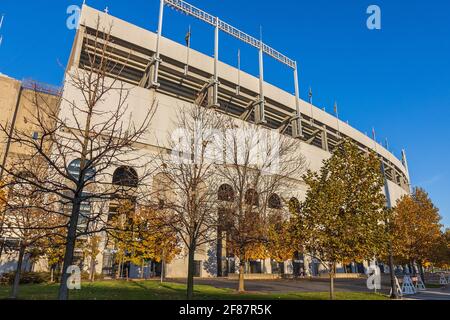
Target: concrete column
325,138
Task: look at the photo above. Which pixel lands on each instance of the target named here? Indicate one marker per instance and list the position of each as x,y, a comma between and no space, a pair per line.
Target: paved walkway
318,285
432,294
291,285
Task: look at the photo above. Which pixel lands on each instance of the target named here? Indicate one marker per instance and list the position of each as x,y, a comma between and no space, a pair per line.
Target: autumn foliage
417,229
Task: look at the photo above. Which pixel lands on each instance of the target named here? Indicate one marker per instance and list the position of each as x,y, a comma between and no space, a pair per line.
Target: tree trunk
52,274
219,252
241,275
92,270
162,270
73,223
119,270
190,279
1,247
422,273
70,248
142,269
332,271
281,268
394,294
15,288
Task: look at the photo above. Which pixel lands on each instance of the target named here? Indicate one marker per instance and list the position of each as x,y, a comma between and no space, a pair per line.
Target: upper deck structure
173,73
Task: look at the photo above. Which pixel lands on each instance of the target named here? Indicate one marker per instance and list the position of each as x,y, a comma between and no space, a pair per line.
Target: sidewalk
431,294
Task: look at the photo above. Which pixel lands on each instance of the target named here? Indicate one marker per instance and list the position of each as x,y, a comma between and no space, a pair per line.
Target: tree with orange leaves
417,228
281,243
142,235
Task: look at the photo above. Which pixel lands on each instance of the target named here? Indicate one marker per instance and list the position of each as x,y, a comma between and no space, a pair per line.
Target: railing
189,9
31,84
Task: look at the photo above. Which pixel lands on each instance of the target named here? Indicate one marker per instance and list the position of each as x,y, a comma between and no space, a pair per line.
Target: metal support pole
188,39
238,87
260,116
405,164
297,125
325,138
336,112
158,44
216,64
310,96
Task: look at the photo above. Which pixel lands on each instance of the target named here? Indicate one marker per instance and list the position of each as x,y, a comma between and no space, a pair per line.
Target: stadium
159,69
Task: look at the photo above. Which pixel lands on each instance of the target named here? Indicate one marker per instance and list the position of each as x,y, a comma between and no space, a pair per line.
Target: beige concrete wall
147,39
27,102
30,102
9,93
161,128
163,124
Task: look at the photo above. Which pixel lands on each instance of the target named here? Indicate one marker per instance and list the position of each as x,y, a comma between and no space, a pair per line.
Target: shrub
26,277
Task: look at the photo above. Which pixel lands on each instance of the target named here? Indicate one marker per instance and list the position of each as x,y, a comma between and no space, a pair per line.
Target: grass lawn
153,290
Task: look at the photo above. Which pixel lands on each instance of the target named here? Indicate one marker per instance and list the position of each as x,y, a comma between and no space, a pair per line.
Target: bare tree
92,133
259,165
186,186
26,221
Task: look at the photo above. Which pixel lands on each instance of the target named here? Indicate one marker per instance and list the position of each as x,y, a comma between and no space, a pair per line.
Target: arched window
294,205
125,177
226,193
252,197
274,201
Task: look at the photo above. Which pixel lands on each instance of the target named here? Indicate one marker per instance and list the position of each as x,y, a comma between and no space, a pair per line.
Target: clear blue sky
396,79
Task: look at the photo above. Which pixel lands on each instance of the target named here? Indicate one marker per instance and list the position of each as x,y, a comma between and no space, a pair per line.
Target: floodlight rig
213,86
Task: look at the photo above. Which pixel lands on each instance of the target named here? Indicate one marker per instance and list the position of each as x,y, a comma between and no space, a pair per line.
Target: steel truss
189,9
219,25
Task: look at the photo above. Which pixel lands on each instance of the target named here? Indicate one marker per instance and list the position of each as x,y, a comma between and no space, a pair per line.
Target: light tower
211,89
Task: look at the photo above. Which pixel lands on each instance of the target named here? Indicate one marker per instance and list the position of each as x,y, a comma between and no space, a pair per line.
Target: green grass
153,290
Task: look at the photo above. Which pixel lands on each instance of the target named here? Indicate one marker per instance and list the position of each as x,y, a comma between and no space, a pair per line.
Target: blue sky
396,79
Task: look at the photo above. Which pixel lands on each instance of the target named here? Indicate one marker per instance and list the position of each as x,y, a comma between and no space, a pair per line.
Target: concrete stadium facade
134,48
321,134
17,107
